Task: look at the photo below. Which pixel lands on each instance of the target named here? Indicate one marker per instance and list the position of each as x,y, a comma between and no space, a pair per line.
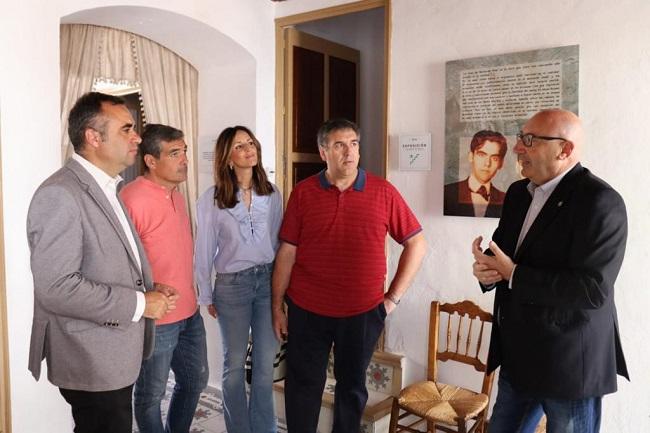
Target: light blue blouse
231,240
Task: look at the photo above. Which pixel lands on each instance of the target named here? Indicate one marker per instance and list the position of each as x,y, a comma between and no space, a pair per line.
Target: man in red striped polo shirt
330,269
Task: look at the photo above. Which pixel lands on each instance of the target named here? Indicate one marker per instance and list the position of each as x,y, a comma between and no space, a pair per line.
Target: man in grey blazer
93,302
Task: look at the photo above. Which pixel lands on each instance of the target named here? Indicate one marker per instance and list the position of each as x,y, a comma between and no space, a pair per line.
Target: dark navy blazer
556,332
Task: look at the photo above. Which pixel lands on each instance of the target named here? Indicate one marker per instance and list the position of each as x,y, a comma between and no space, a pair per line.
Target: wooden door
321,82
5,406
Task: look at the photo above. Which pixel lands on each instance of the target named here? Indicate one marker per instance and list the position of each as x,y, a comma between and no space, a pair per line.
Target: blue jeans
181,346
243,303
517,413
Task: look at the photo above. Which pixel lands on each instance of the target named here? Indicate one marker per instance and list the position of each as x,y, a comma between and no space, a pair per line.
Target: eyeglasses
527,139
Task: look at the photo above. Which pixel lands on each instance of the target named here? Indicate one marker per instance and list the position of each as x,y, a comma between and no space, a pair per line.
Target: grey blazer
85,276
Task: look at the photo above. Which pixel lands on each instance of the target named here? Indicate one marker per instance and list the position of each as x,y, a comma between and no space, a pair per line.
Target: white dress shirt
108,185
541,194
478,201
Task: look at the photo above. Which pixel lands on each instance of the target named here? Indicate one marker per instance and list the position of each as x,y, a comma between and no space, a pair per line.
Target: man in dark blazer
553,260
476,195
91,278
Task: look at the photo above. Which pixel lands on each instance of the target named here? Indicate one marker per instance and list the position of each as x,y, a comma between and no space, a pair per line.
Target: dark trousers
310,340
101,412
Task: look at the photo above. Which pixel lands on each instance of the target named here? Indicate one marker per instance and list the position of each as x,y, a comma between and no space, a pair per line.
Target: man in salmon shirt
160,217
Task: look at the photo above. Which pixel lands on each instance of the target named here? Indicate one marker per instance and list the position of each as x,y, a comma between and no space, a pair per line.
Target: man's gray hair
335,125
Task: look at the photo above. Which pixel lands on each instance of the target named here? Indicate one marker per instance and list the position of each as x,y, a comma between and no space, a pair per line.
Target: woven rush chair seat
439,402
437,406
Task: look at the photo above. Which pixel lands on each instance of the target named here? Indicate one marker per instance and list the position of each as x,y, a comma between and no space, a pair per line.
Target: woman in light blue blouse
237,235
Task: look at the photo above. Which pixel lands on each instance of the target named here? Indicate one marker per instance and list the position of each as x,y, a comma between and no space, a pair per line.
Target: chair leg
482,428
394,416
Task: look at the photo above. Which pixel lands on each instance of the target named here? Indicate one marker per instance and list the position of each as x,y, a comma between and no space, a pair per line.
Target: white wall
29,93
615,62
363,31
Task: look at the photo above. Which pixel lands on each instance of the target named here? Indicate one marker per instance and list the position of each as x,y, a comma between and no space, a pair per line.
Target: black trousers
309,343
101,412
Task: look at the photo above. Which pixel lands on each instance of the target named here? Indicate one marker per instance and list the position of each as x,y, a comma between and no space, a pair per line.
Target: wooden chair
443,407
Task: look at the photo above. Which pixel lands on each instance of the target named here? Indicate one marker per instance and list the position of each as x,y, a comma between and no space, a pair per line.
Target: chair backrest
465,333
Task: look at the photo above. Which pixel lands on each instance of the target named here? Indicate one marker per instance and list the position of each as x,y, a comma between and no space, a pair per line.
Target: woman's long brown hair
225,180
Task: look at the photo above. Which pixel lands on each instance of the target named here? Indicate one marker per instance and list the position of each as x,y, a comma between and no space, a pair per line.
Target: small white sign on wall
415,152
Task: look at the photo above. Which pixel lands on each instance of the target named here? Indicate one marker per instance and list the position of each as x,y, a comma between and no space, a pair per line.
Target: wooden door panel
5,385
343,89
302,170
322,82
308,98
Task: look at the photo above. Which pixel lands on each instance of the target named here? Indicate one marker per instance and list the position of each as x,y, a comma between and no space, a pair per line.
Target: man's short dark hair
335,125
86,113
153,136
486,135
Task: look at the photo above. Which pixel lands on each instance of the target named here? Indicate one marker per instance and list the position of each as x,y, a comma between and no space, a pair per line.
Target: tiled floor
209,412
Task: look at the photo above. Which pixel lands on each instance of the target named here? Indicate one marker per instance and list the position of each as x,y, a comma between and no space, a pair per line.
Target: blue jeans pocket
232,290
227,278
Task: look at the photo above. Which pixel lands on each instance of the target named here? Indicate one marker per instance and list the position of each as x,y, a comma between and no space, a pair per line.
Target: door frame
280,87
307,152
5,388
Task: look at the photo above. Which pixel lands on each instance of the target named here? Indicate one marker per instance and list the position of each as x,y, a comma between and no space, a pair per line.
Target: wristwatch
392,298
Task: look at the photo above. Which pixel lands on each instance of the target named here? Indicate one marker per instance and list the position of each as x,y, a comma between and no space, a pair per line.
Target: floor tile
208,417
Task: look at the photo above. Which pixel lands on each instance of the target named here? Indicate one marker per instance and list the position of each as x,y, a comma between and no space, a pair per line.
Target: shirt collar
474,184
100,176
548,187
156,186
358,185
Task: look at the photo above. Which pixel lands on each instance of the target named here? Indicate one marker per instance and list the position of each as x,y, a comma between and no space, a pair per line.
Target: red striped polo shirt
340,237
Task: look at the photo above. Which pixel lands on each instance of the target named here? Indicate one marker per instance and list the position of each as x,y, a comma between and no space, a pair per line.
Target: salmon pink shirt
161,220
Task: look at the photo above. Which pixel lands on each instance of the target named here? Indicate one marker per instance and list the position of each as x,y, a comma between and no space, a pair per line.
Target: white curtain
116,56
90,53
169,84
79,44
169,93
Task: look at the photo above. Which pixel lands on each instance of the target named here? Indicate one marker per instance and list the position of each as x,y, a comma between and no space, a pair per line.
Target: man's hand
166,290
157,304
389,306
212,310
169,291
502,263
284,260
280,324
490,269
